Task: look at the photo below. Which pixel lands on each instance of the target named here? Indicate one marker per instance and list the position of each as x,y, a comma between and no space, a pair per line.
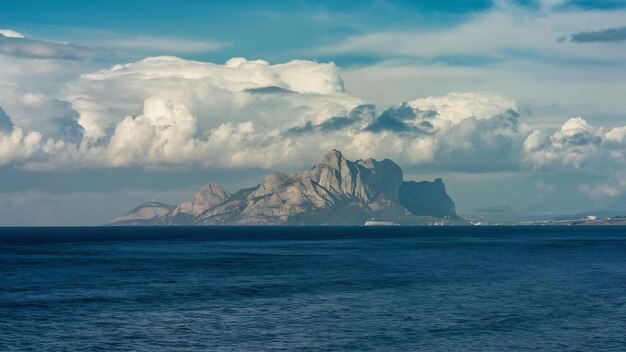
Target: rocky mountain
150,213
427,198
337,191
209,196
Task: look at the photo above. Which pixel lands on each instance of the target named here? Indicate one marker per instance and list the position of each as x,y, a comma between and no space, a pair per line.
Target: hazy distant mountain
146,214
337,191
496,209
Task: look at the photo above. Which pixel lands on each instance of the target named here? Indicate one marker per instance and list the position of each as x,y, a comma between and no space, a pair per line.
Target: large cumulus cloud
575,143
453,108
166,110
238,91
9,33
578,145
171,112
16,145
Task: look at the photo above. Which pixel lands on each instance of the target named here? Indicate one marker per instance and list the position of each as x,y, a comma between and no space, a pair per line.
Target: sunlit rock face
337,191
209,196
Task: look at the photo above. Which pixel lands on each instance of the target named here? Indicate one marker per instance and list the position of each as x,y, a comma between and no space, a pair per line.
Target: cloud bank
517,49
506,32
167,112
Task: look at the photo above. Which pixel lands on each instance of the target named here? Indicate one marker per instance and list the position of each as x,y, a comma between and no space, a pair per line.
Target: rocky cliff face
209,196
427,199
337,191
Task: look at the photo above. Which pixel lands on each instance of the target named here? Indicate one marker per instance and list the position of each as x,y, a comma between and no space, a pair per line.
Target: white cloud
193,113
510,49
170,131
51,117
11,33
482,145
587,90
237,91
616,135
162,134
504,31
167,134
575,143
22,47
18,146
166,112
237,74
34,70
456,107
143,43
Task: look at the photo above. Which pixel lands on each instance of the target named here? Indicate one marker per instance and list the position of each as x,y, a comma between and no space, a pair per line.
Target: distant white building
380,223
592,217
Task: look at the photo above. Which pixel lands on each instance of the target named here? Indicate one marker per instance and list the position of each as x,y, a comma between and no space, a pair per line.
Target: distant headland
337,191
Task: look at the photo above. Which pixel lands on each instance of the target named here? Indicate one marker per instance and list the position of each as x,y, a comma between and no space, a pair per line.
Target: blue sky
79,74
272,30
275,31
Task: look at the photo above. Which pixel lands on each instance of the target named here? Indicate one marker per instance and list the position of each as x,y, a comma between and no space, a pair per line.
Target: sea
313,289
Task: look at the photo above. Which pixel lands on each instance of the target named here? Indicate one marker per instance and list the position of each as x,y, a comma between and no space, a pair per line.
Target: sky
106,105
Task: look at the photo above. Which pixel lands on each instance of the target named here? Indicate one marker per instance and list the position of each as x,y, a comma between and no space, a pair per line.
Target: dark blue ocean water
313,289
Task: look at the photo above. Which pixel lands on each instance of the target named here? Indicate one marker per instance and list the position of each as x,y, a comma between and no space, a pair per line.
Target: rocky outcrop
209,196
150,213
337,191
427,199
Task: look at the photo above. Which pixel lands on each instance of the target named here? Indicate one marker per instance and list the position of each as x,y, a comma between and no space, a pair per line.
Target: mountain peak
209,196
333,155
336,191
213,187
145,214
